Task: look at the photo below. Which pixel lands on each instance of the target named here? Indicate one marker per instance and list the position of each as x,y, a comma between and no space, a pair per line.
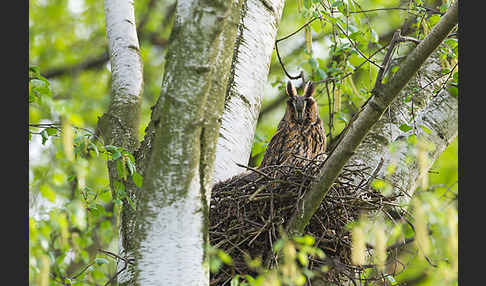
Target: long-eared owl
300,136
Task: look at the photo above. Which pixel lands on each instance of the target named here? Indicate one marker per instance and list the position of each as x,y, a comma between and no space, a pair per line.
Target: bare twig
387,58
301,75
447,80
124,259
356,47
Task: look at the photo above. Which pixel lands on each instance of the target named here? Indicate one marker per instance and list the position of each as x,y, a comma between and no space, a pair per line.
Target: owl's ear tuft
291,91
309,89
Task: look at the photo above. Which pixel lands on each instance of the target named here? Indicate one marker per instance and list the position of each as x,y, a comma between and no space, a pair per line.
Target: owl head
301,109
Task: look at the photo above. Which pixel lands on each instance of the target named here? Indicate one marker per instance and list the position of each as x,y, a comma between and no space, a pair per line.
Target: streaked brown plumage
300,135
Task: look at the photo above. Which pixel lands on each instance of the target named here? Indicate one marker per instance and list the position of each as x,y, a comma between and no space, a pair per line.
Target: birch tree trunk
167,234
251,62
120,123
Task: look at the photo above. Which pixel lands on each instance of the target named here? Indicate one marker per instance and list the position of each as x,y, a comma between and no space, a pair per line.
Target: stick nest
248,210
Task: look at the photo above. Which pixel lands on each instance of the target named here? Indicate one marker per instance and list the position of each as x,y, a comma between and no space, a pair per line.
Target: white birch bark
119,125
126,72
255,43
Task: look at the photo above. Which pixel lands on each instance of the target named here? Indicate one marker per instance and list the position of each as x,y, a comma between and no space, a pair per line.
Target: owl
300,135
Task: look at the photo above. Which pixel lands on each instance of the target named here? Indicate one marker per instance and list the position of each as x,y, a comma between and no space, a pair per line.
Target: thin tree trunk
255,42
120,123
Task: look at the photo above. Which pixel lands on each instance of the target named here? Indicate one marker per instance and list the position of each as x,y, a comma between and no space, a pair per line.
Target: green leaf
35,70
101,261
95,148
118,187
356,35
130,202
305,240
391,280
47,192
130,156
122,171
408,97
131,167
111,148
434,19
452,90
405,128
303,259
455,76
378,184
51,131
249,278
116,155
44,136
278,245
337,3
412,139
321,74
307,3
235,281
329,18
137,179
214,264
427,130
225,257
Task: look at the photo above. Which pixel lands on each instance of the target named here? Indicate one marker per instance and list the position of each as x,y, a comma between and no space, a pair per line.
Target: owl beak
300,117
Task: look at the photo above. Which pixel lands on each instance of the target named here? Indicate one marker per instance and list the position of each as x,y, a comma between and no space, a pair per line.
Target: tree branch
368,116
